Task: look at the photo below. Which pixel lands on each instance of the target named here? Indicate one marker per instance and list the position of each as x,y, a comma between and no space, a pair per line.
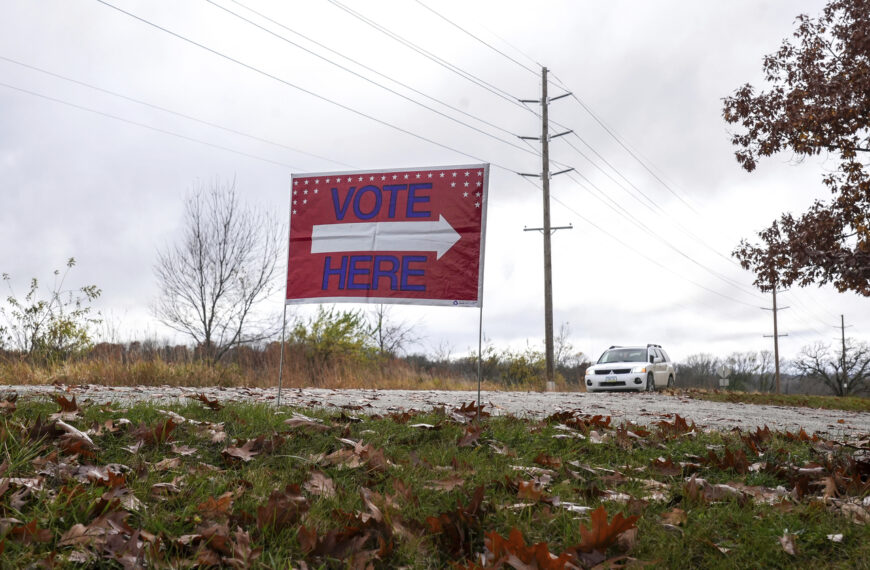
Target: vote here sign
388,236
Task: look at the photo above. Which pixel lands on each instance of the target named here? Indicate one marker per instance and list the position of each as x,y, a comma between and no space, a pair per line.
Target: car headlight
589,372
639,369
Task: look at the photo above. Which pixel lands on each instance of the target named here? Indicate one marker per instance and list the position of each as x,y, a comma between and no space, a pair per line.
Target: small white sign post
724,372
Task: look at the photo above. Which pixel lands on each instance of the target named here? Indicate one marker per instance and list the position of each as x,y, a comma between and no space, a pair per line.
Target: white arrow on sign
384,236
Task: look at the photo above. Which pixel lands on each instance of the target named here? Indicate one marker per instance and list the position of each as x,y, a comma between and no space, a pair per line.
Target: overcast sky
102,178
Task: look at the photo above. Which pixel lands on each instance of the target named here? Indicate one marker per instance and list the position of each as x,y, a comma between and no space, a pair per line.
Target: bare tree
212,281
744,366
843,374
390,336
766,374
698,370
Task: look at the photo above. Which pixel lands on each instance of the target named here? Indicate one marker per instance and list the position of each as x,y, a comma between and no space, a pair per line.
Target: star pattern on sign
301,200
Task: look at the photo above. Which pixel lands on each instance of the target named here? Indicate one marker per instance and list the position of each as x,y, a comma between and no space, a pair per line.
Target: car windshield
623,355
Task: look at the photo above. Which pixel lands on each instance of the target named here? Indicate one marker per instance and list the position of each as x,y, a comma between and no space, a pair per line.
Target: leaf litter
234,526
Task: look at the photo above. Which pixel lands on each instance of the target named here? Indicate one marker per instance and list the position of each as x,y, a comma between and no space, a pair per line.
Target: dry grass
298,373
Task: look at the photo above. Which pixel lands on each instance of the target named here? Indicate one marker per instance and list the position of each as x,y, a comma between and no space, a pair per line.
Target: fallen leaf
446,484
548,461
157,433
164,489
167,464
283,509
29,533
470,437
184,450
855,513
65,404
531,490
216,509
788,543
514,552
213,404
244,452
602,534
319,484
675,516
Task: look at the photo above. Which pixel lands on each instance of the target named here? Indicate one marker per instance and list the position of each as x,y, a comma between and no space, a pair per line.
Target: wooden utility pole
843,338
547,229
776,336
548,266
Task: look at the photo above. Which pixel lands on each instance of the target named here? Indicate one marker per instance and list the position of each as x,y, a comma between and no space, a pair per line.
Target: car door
660,368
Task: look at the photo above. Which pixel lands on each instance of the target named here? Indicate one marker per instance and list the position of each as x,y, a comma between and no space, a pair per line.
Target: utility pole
547,230
776,336
843,328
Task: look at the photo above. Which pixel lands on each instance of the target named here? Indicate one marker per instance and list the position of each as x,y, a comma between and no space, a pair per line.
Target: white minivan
631,368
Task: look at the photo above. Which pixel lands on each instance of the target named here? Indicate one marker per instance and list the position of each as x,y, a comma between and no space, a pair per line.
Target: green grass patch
849,403
250,486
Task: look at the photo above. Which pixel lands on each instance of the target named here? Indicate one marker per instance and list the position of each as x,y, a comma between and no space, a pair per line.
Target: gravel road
641,408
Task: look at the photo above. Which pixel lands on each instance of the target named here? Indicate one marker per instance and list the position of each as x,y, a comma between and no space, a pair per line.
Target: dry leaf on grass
788,543
602,534
675,517
319,484
514,552
446,484
470,437
213,404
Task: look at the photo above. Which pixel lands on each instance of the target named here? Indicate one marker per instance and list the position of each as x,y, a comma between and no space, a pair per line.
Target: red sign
388,236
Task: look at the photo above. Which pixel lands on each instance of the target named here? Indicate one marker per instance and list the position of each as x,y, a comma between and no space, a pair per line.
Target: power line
613,205
640,253
369,80
632,153
170,111
143,125
440,61
650,204
495,49
289,84
368,68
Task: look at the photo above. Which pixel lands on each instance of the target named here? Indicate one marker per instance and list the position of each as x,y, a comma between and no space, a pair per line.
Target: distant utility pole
843,328
776,336
547,230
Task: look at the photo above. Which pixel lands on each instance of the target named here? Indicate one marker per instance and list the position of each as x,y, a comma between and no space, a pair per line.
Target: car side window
665,357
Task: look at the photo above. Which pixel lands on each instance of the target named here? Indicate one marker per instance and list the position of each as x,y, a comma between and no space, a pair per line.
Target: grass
405,493
340,374
850,403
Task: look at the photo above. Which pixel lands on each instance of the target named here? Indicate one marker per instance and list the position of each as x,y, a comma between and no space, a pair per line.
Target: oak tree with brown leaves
818,103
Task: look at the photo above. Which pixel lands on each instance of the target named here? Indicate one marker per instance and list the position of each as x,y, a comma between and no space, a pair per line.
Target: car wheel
671,381
650,383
